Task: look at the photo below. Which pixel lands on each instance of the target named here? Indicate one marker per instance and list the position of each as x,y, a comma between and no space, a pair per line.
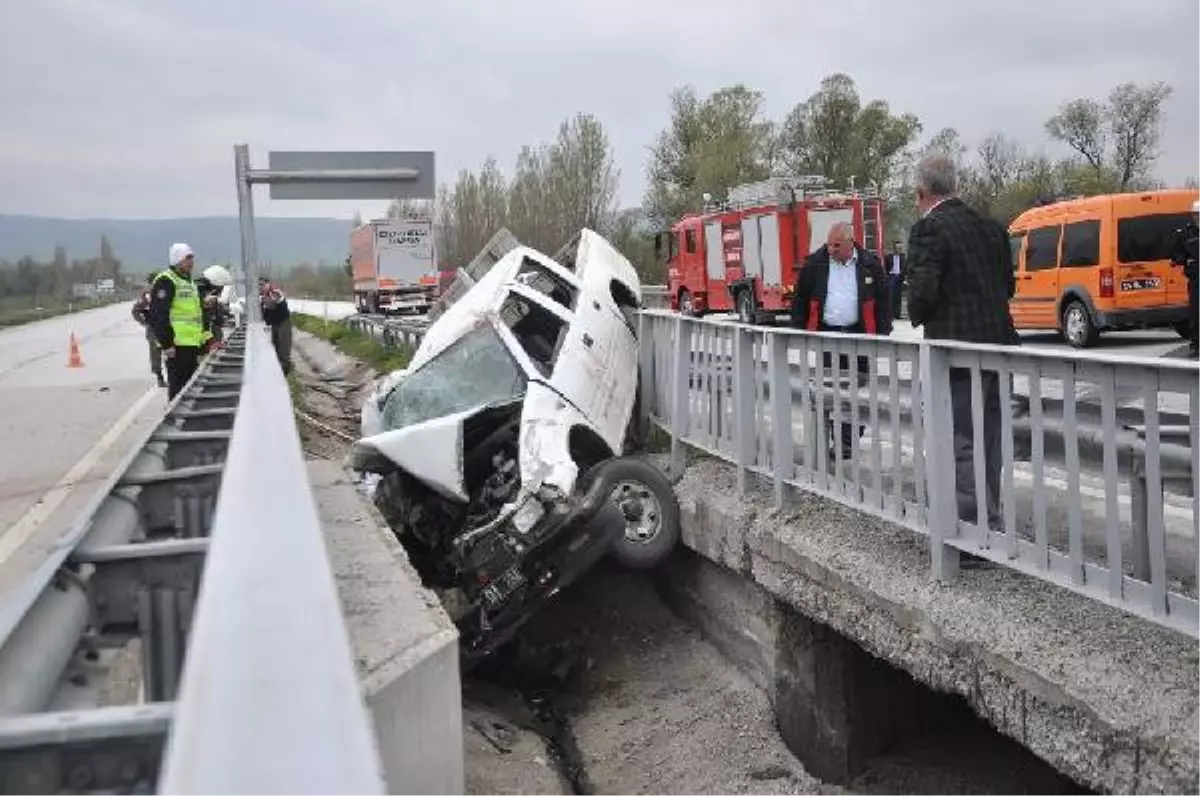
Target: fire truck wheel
745,307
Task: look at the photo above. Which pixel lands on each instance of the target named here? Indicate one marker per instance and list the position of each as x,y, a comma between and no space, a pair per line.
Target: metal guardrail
906,472
93,647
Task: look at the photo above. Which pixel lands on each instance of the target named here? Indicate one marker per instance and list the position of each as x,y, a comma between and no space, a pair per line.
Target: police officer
1185,256
177,318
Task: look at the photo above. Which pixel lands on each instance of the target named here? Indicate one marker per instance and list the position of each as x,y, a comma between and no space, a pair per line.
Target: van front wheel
1077,326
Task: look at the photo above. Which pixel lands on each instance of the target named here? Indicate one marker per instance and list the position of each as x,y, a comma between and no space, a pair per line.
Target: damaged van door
499,448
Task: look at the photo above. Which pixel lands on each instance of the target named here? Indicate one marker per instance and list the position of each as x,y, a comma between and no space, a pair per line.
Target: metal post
939,457
241,159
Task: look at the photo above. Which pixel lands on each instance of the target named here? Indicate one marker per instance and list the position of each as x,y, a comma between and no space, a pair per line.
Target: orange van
1101,263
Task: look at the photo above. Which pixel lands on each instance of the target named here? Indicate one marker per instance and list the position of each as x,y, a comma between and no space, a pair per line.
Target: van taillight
1106,283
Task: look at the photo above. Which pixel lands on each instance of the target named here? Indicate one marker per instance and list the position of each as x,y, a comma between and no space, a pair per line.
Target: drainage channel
610,691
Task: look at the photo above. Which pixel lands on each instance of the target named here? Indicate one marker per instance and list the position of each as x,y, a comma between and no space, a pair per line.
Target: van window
691,241
1041,253
1148,238
1015,242
1081,244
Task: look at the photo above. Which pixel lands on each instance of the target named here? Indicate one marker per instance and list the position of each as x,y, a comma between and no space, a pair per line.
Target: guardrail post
939,459
680,397
744,411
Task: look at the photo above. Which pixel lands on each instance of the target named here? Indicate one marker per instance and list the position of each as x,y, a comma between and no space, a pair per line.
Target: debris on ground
645,704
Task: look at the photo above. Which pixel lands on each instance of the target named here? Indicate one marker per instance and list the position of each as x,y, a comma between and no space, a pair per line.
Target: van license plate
1141,283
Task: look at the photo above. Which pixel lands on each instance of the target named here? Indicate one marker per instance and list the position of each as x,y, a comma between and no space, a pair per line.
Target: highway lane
64,429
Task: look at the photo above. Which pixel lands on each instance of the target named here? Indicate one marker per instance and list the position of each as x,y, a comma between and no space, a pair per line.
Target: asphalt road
65,429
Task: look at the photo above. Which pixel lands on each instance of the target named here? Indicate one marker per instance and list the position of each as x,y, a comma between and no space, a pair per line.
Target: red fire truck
743,254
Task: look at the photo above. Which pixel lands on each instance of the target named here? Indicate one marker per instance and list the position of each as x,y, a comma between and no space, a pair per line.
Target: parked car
503,447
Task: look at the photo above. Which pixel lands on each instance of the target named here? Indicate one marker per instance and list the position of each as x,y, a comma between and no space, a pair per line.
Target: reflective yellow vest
187,316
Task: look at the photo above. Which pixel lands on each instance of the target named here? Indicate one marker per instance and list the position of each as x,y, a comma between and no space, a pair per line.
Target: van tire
1077,326
653,516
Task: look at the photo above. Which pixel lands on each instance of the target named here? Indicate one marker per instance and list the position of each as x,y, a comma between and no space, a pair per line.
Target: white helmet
218,276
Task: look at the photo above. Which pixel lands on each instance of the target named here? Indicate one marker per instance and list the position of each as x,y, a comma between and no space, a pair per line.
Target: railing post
646,397
744,410
680,380
780,398
936,409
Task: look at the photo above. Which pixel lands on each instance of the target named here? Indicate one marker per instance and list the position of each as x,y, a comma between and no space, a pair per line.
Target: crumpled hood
431,452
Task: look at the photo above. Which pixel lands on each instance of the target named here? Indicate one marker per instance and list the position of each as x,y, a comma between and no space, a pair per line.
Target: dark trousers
281,338
847,429
155,353
1193,311
180,368
896,286
964,444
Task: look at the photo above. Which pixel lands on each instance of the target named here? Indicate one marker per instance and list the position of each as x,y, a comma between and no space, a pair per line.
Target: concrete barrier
796,596
405,646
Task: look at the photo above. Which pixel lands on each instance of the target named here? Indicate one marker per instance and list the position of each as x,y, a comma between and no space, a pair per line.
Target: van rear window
1148,238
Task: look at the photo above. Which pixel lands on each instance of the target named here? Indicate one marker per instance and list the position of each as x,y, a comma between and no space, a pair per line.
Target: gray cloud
129,108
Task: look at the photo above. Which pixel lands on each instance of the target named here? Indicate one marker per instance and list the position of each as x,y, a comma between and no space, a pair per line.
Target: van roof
1184,196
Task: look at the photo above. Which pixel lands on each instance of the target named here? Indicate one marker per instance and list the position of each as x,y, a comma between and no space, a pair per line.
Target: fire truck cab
743,254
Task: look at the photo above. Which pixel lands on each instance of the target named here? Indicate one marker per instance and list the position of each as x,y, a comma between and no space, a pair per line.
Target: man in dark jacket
960,279
141,314
842,288
278,317
1187,241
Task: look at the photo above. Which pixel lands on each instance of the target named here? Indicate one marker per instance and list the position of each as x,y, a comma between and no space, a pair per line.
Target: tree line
47,282
713,143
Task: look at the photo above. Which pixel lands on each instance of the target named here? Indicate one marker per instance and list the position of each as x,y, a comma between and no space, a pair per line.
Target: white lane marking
19,533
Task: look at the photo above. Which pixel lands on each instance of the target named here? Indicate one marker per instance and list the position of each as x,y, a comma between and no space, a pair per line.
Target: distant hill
141,244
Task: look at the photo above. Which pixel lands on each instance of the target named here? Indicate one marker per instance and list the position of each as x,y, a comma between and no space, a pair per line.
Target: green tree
709,147
832,134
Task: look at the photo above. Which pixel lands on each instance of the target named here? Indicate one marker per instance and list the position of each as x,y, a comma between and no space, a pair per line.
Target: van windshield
475,371
1148,238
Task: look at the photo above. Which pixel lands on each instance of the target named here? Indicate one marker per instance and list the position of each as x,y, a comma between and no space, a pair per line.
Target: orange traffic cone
75,360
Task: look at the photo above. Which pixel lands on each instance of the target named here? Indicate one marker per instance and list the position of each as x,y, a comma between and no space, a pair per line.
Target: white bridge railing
1098,455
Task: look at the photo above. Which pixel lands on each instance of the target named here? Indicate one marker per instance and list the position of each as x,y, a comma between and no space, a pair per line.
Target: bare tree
1135,116
1130,120
1081,125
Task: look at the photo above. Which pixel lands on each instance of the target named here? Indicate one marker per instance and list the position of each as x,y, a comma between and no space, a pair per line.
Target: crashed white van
501,445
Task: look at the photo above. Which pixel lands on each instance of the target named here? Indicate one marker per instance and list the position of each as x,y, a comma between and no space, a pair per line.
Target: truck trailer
393,264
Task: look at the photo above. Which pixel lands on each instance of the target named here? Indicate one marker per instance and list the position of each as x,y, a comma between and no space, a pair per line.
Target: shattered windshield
475,371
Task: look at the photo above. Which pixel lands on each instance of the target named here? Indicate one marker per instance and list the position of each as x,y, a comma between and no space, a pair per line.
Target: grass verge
383,359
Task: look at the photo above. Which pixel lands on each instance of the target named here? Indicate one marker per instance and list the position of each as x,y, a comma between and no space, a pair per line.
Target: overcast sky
130,108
